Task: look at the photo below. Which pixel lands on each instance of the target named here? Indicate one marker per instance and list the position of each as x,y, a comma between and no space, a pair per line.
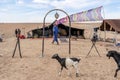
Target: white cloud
41,1
70,4
62,3
74,4
20,1
112,15
4,10
3,1
34,10
77,4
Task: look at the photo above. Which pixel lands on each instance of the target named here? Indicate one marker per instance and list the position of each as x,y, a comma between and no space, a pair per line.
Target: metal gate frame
42,55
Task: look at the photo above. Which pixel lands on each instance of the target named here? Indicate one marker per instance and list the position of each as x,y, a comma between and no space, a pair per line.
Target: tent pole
110,28
104,31
99,33
104,25
91,34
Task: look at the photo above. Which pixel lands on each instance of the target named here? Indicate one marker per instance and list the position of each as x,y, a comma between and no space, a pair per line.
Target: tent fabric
78,25
88,15
85,25
63,31
111,24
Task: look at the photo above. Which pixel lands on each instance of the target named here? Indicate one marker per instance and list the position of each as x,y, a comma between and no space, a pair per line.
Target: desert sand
33,67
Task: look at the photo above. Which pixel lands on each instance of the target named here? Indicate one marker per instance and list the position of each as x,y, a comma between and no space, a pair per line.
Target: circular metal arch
44,30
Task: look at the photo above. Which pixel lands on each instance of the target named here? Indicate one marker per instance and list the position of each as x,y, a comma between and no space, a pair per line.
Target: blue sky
35,10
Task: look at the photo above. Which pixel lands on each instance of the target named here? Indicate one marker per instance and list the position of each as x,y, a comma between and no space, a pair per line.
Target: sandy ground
33,67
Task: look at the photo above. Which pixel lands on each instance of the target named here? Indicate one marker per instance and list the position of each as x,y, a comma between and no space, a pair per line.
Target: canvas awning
85,25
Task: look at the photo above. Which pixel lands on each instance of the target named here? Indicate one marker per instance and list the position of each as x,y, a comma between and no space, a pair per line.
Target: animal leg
116,72
60,71
69,71
77,71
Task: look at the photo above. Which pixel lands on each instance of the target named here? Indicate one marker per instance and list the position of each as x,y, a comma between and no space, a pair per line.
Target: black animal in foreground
67,63
116,57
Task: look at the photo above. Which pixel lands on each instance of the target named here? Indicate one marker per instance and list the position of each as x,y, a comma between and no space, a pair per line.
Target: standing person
55,33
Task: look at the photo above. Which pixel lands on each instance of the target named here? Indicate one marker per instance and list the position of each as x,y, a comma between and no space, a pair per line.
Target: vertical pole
110,28
19,47
43,38
99,34
69,36
104,30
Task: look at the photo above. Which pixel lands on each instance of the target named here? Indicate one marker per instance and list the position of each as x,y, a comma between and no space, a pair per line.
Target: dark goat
67,62
116,57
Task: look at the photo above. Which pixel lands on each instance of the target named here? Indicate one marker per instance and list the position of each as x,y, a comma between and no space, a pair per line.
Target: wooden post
99,34
104,31
110,28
